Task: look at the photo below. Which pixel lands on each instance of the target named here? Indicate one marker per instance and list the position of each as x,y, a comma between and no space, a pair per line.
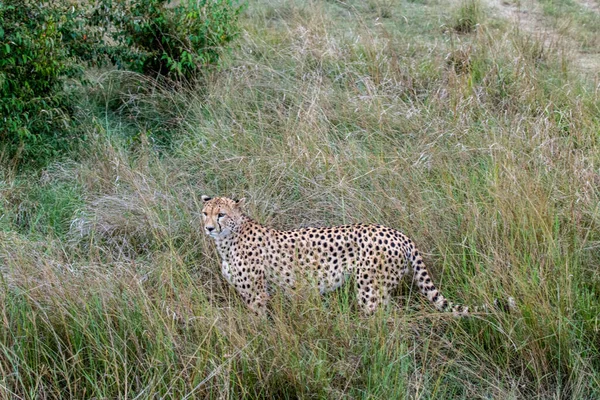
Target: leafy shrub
35,110
156,38
44,45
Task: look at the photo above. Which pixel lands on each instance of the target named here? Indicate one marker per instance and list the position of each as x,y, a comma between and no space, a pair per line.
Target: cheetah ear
240,202
205,198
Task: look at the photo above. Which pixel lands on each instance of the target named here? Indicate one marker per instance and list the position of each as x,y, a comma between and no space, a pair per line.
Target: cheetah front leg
250,284
256,302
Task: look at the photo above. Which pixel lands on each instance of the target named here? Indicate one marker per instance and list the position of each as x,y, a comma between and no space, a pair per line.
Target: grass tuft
468,16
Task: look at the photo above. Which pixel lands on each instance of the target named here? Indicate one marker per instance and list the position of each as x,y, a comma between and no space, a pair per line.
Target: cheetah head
221,215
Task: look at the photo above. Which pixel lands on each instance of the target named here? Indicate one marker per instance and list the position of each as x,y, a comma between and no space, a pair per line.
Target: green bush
156,38
43,47
35,109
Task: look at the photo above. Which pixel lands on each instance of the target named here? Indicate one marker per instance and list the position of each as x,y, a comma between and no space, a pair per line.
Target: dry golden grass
482,147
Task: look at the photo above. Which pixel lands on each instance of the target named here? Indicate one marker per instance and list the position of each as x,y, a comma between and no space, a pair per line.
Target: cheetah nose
209,229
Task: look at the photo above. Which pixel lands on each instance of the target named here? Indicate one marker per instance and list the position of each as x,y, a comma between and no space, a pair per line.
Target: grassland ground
476,137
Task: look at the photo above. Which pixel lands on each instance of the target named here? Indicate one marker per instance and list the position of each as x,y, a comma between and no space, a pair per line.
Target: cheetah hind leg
371,296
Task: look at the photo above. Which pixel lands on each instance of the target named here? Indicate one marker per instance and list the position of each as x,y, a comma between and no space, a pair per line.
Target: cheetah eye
203,213
220,215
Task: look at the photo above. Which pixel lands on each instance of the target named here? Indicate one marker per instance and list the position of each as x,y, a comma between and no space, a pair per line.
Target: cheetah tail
423,280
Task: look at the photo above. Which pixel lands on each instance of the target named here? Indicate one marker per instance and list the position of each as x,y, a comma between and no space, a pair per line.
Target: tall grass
483,147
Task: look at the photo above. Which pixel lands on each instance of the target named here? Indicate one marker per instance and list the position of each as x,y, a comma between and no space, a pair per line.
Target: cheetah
254,257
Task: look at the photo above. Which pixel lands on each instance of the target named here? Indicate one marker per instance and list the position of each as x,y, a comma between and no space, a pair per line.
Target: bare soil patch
527,16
